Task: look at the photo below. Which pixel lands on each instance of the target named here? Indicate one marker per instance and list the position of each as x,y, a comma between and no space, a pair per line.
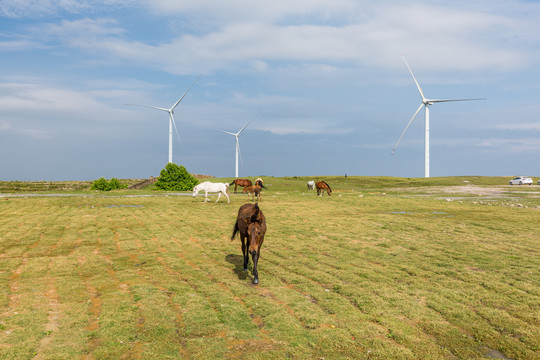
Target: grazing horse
321,186
210,187
259,182
241,182
254,190
251,224
311,185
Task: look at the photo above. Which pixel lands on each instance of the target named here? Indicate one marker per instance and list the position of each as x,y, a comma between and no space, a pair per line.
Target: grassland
385,268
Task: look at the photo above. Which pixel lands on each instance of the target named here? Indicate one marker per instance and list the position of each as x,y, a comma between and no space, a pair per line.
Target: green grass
379,270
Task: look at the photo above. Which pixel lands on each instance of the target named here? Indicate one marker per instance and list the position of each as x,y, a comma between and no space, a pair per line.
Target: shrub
176,178
114,184
102,184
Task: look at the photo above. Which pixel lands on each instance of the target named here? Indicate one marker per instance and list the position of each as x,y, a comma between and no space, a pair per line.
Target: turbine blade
226,132
239,152
414,78
175,129
178,102
249,122
449,100
406,127
151,107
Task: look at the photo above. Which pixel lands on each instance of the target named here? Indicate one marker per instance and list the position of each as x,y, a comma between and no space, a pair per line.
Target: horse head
256,230
259,182
197,188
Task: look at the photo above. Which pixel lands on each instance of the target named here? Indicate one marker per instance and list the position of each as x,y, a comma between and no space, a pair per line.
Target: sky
324,81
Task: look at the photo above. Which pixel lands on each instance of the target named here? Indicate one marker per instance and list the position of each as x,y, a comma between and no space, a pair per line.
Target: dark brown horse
240,182
251,224
321,186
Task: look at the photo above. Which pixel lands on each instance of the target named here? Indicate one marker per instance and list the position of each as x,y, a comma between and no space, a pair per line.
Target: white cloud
520,126
290,126
43,8
256,35
248,10
515,145
520,145
23,97
18,45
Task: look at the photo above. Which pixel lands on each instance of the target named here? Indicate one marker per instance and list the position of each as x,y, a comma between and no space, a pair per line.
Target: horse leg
245,252
228,200
255,257
206,196
218,196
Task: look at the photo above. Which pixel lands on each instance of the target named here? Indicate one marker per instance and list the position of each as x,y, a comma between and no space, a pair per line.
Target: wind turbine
425,103
171,118
236,135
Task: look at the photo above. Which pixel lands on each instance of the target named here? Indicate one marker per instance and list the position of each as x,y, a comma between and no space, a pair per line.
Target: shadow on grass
238,263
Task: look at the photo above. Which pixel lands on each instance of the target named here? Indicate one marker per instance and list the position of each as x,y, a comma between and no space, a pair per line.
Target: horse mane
255,215
324,182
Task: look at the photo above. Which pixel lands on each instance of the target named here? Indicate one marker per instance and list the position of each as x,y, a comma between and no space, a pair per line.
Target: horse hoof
245,269
255,281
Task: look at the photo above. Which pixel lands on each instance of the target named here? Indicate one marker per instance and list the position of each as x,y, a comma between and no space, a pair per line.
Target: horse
255,190
311,185
210,187
321,186
259,182
251,224
241,182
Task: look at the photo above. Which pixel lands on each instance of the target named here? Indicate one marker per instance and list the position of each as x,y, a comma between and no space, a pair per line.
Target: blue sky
327,77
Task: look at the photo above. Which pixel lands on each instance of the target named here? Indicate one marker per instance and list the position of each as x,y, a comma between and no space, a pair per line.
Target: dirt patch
52,322
475,190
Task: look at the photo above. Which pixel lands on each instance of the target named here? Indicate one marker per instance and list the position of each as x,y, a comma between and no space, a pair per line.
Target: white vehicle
521,180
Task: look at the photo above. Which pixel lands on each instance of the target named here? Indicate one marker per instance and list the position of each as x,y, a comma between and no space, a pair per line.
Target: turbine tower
236,136
425,103
171,118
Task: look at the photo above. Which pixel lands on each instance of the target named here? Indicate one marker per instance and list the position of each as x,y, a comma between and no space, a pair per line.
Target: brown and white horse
251,224
259,182
321,186
241,182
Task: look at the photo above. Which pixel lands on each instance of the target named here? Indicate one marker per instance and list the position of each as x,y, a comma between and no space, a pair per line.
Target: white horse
209,187
311,185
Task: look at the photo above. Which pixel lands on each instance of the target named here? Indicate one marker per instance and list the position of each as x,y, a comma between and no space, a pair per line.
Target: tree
176,177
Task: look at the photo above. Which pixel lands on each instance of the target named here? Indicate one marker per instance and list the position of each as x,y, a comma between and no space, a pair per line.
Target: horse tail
235,230
232,182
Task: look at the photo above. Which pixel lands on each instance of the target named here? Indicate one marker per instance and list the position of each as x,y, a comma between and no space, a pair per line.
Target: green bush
102,184
175,178
114,184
